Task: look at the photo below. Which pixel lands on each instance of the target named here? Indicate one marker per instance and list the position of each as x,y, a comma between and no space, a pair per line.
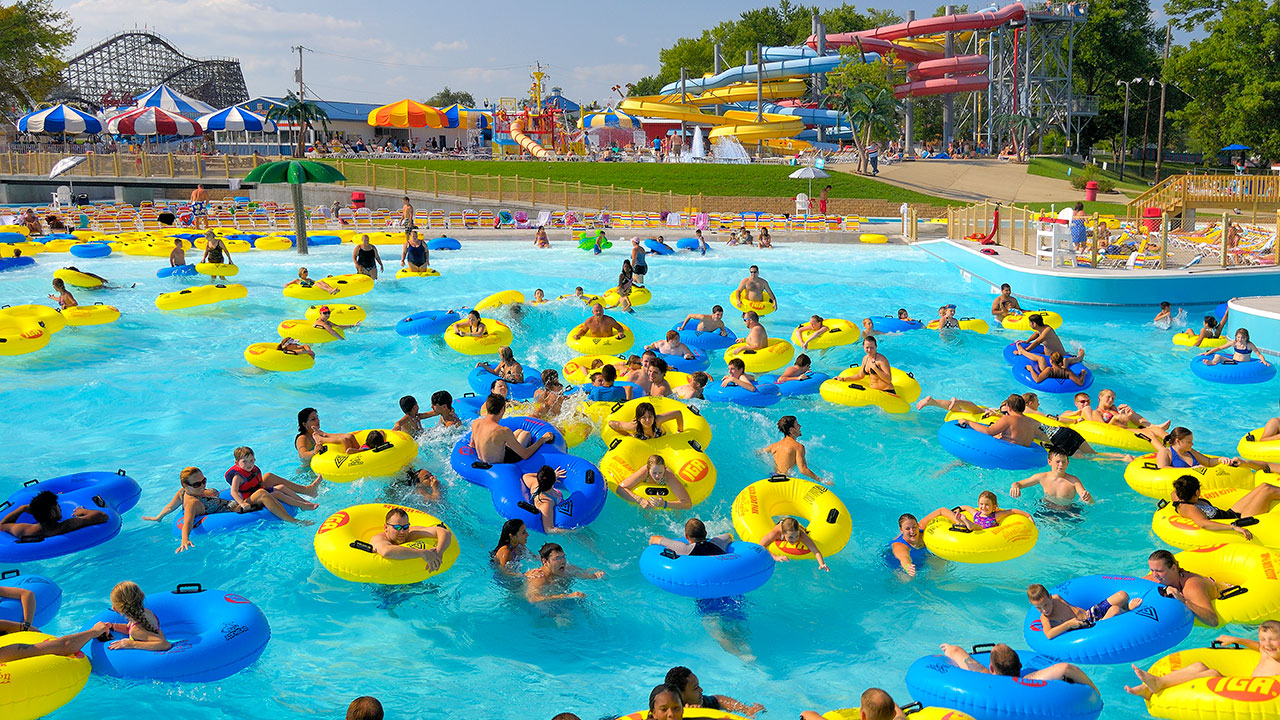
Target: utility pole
1168,36
301,145
1146,121
1124,144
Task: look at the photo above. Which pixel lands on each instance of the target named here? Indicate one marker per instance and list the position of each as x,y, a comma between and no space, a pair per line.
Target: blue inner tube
894,325
795,388
690,243
660,248
1230,372
13,237
117,488
48,597
215,635
1220,312
934,680
315,240
986,451
427,322
480,379
463,458
1152,628
14,263
705,340
616,393
176,271
700,360
229,521
13,551
744,567
443,243
91,250
1020,365
764,395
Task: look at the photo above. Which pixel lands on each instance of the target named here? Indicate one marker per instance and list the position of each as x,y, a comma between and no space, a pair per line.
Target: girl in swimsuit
310,436
196,499
908,548
305,281
143,629
1210,331
540,489
656,472
983,517
64,297
1179,453
789,531
473,326
1057,370
513,544
648,424
1243,351
508,369
1207,516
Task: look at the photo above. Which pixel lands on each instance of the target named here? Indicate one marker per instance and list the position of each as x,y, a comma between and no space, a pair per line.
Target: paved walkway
977,180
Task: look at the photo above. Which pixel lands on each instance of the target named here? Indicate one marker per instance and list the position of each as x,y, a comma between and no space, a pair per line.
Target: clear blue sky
391,49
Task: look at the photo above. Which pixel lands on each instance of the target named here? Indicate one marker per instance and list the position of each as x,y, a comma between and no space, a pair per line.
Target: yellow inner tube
639,296
498,299
78,279
694,423
358,524
1252,567
403,273
925,713
578,370
341,314
1100,433
199,295
773,356
272,242
1182,533
347,286
1250,449
682,453
80,315
843,390
839,332
609,344
216,269
1146,478
21,337
40,315
761,307
396,454
873,239
1236,694
1021,321
1013,537
306,331
977,325
267,357
1187,339
498,335
826,519
35,687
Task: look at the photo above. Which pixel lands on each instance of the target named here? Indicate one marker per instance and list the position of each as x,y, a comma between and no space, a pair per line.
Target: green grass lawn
684,179
1057,168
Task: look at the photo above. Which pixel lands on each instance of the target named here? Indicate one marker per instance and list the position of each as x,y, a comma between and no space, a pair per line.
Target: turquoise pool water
158,391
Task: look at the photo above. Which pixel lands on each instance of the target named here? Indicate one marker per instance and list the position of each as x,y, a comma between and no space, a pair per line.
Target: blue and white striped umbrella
58,120
608,118
238,119
170,100
466,117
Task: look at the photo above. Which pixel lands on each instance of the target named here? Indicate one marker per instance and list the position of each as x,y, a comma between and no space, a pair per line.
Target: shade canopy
294,172
466,117
170,100
59,120
152,121
407,114
66,164
608,118
809,173
1235,146
238,119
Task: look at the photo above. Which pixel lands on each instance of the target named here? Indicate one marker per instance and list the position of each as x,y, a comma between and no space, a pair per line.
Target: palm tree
1020,127
870,108
301,114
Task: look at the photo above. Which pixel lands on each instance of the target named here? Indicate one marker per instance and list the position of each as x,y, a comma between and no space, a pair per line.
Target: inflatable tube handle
188,589
527,507
694,410
1248,437
383,446
1150,465
468,394
30,482
1231,592
669,553
832,515
1161,503
982,647
659,491
960,529
778,477
8,574
617,406
481,465
362,546
856,386
5,504
121,472
590,478
28,539
912,708
1245,521
615,443
1219,645
97,500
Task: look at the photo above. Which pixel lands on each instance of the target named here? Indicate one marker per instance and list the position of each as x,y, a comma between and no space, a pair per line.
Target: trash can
1151,219
357,200
1091,191
82,199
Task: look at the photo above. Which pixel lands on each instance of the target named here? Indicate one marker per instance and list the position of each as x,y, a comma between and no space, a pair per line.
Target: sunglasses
200,484
401,528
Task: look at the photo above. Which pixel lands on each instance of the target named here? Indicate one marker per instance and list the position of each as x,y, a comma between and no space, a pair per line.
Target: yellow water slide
734,123
526,142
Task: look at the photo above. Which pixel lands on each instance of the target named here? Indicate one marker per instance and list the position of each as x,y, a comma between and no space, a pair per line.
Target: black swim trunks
1063,438
511,456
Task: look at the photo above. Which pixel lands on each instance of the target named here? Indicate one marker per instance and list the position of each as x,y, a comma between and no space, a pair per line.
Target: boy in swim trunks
1058,486
1058,616
737,375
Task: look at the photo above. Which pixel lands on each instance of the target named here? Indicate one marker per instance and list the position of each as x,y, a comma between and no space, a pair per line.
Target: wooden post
435,183
455,183
599,205
499,188
1093,253
468,188
1276,245
170,157
579,198
533,192
630,208
565,186
404,178
1226,230
1164,239
226,165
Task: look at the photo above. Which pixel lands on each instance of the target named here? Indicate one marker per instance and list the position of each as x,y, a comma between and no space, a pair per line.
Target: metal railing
1256,192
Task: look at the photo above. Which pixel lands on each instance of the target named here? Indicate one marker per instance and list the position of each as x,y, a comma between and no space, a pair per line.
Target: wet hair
442,397
1211,321
901,313
59,285
870,339
1271,626
42,505
474,314
1036,592
737,363
789,524
1005,286
642,409
185,474
803,360
129,597
754,267
786,422
654,461
751,315
695,530
609,372
1165,305
1036,319
907,516
1185,487
1055,358
1079,206
876,704
1055,451
673,335
1084,395
546,478
700,379
677,677
1175,435
494,404
717,309
1243,333
303,414
407,403
1016,403
549,549
505,354
658,363
375,438
566,716
396,512
509,530
815,317
364,708
661,690
550,376
1005,661
988,495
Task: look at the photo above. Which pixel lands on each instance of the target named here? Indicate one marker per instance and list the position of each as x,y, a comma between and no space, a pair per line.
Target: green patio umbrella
296,172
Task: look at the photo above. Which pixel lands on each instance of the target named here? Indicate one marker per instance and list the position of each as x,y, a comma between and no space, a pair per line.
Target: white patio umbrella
809,173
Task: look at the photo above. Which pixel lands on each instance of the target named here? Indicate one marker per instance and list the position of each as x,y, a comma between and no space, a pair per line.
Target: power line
419,67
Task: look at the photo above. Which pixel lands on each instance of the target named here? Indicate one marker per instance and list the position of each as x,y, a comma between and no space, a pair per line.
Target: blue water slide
771,71
776,54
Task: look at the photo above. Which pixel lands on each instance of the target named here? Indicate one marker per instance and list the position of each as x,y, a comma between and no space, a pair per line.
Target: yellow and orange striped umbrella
407,113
